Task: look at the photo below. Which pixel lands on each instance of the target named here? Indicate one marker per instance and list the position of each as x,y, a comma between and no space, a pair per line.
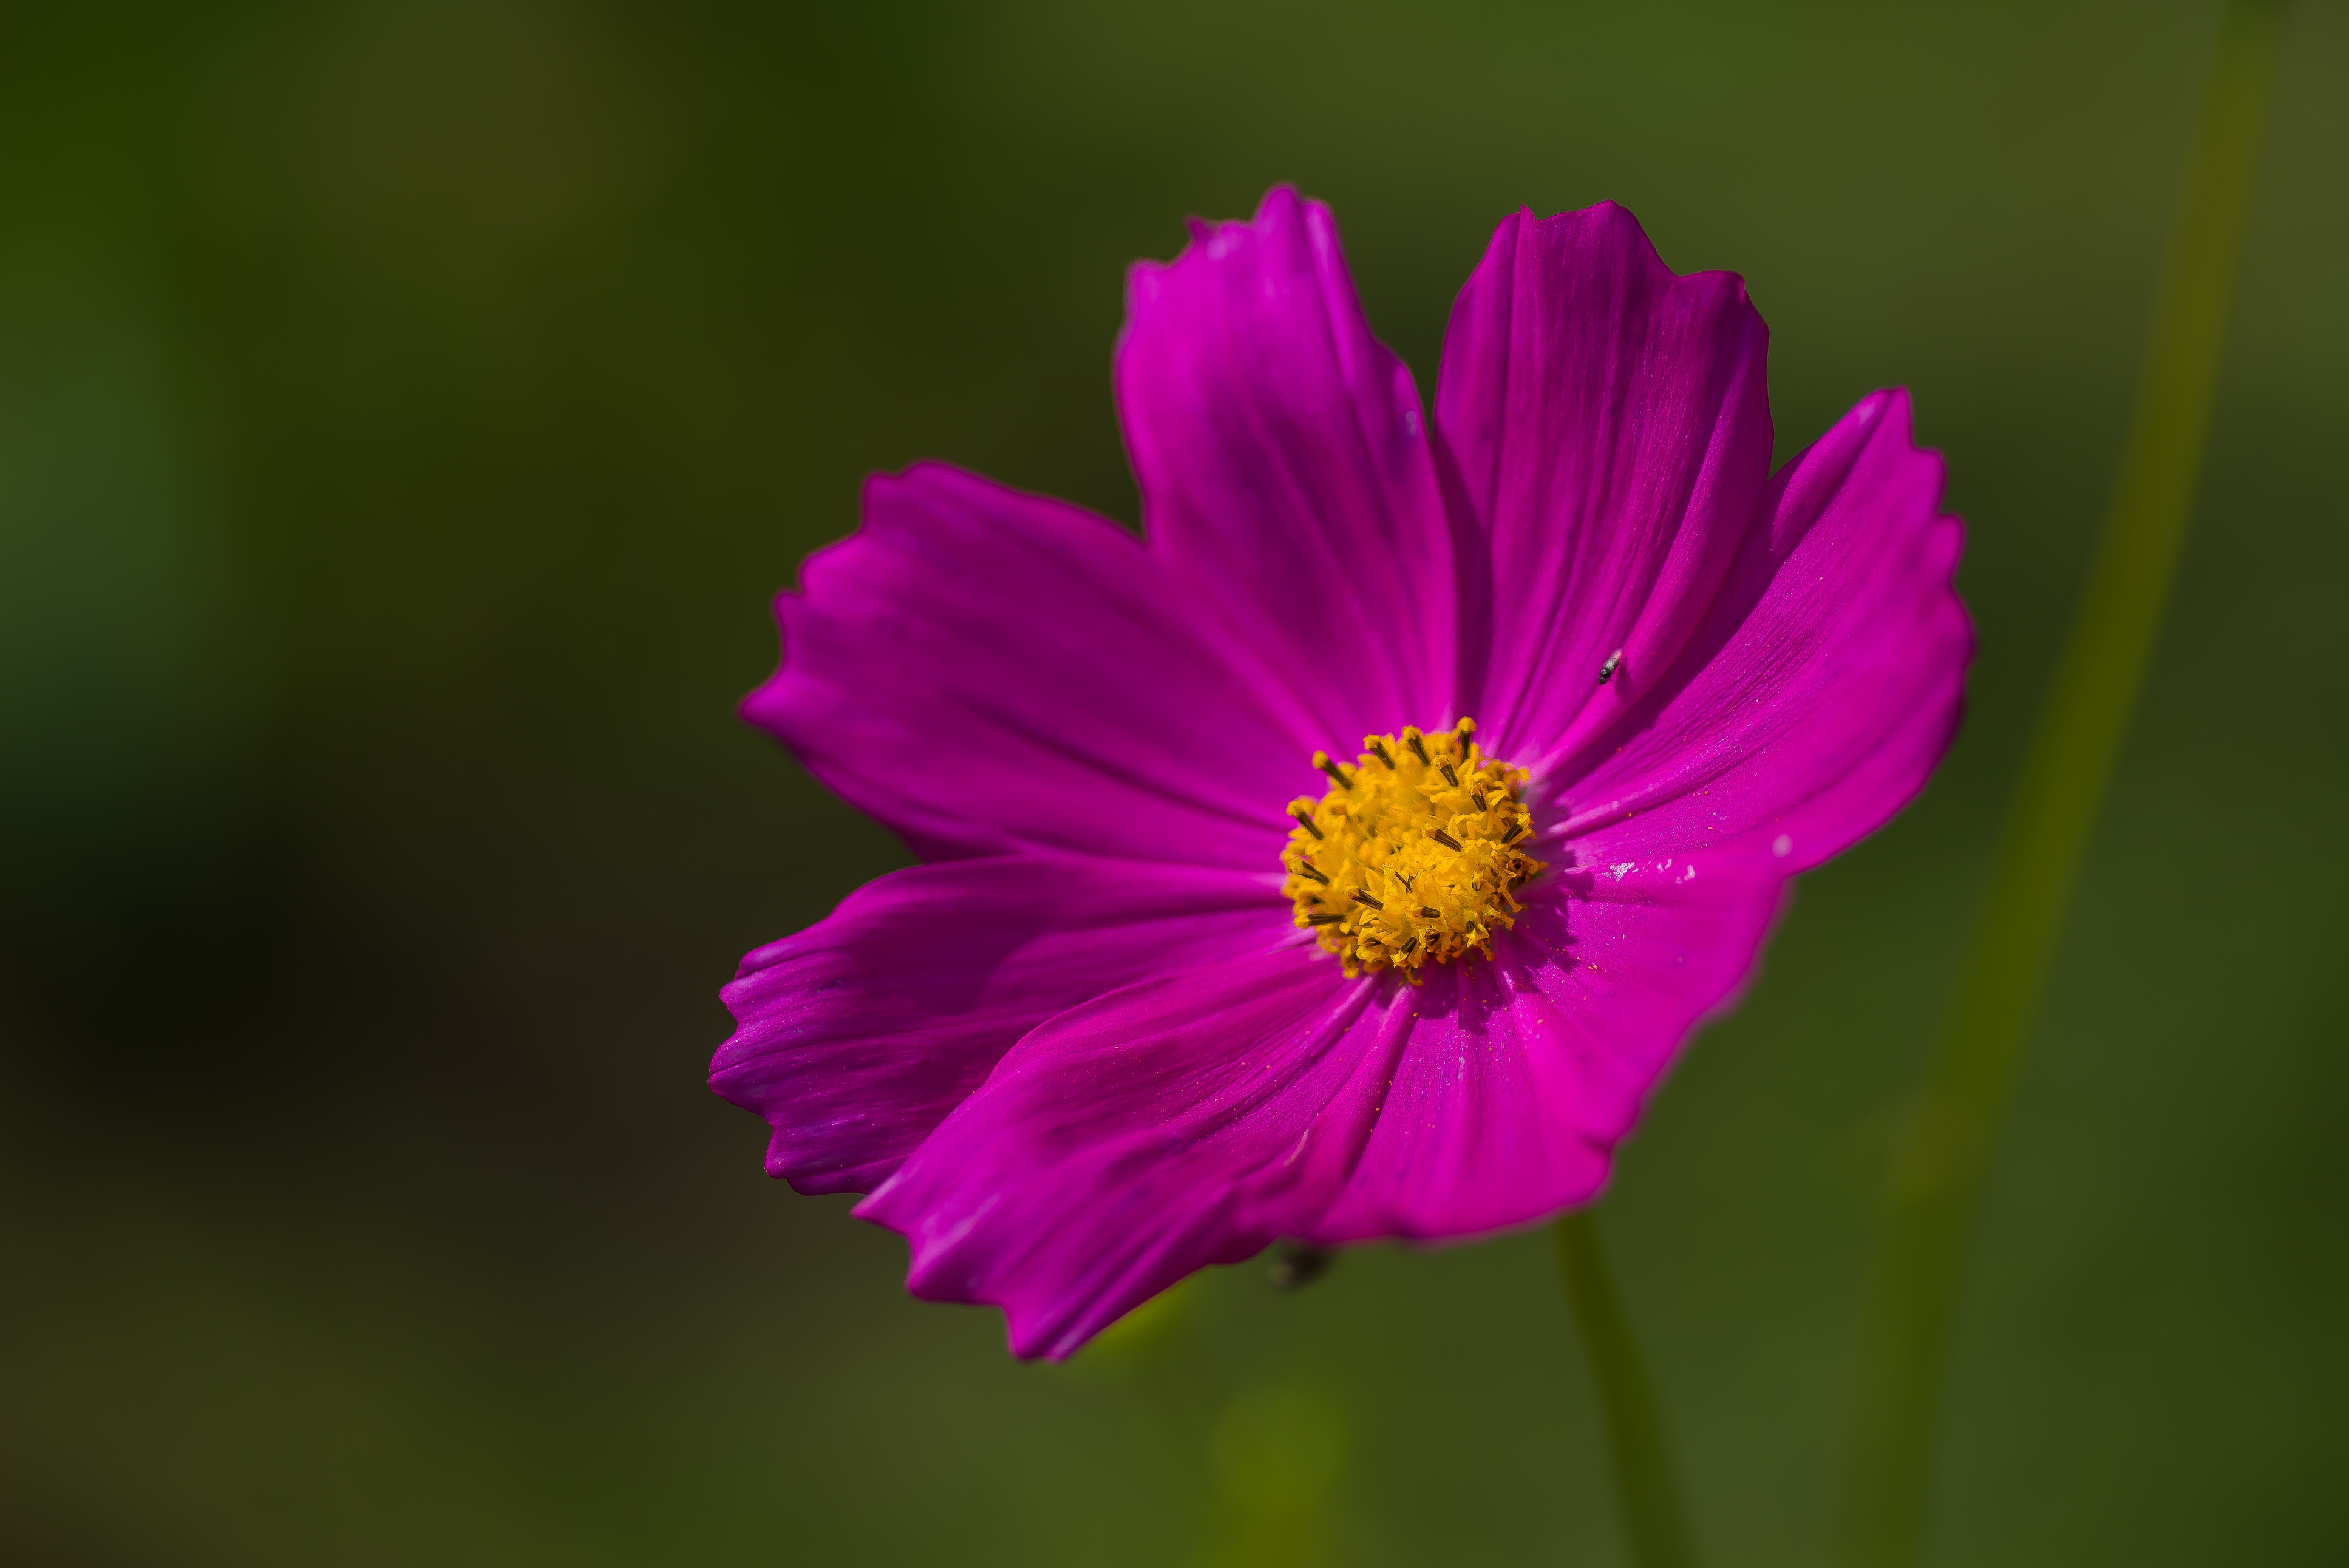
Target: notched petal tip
1614,226
1282,216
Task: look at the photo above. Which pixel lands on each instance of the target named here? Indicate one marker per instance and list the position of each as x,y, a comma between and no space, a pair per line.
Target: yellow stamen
1411,860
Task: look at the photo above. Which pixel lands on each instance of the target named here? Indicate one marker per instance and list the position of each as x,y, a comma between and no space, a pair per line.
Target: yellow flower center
1412,858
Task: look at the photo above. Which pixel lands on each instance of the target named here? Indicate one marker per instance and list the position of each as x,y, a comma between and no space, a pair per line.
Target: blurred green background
407,408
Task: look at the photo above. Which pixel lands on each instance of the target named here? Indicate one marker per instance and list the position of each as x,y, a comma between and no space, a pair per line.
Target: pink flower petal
984,670
1609,426
1186,1120
1824,686
1198,1115
856,1037
1523,1073
1284,469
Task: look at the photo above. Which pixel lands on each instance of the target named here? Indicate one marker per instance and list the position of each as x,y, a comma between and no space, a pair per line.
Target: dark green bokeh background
406,409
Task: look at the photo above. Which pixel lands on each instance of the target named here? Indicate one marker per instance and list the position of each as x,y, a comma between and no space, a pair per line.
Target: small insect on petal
1606,671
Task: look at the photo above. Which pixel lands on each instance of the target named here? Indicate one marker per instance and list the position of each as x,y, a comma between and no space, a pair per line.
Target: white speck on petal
1782,846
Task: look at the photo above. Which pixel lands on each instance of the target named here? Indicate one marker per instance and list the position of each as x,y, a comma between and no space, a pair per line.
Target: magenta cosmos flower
1348,856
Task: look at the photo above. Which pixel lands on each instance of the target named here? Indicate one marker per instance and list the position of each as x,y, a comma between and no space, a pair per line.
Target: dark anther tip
1441,837
1367,899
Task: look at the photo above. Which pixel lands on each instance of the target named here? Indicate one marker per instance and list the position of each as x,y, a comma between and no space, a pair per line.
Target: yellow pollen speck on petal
1414,855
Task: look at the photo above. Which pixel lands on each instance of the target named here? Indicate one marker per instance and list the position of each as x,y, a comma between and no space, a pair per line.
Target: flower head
1414,855
1185,970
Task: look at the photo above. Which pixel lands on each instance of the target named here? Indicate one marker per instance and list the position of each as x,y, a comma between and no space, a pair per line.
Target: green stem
1643,1472
1944,1147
